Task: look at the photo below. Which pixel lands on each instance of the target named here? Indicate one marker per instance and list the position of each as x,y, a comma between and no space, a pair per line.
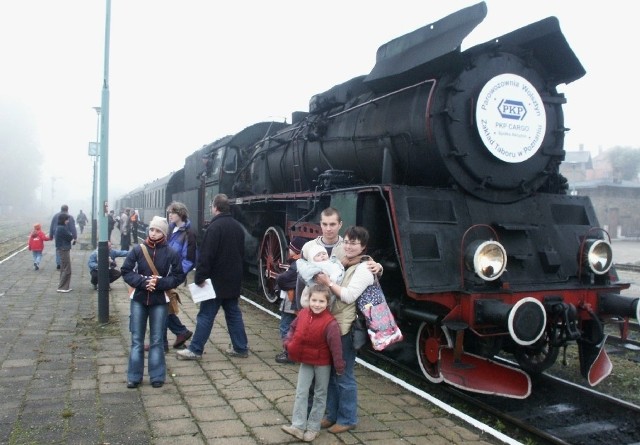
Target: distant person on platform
81,219
134,225
36,244
54,224
64,241
125,230
114,272
111,223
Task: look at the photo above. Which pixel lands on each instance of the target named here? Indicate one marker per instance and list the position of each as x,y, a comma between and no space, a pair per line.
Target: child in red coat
314,341
36,244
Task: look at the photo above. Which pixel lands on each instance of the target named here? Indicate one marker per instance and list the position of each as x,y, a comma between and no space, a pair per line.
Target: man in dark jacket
221,259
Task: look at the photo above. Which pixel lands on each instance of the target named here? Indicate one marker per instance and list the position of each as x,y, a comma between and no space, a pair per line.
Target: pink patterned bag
381,326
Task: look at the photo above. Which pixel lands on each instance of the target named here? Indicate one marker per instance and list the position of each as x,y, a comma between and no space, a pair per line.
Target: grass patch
91,327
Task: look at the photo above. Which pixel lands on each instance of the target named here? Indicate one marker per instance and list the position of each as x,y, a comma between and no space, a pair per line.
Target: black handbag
359,333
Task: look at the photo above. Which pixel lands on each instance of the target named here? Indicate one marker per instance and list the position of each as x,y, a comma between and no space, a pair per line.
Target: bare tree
20,160
625,162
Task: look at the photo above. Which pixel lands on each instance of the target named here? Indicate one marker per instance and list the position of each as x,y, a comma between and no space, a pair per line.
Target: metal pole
103,248
94,222
94,225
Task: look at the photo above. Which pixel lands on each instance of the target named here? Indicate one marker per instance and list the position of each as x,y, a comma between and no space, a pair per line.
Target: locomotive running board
481,375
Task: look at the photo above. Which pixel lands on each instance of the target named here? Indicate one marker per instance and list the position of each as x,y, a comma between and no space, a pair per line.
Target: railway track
13,236
628,267
557,412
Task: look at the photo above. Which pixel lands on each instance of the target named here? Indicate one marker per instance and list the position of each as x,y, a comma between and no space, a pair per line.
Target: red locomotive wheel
273,251
429,340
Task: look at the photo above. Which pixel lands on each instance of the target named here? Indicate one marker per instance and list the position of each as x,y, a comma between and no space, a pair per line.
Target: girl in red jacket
36,244
314,341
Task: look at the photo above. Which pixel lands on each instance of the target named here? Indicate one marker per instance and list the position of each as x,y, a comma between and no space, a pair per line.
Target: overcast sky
185,73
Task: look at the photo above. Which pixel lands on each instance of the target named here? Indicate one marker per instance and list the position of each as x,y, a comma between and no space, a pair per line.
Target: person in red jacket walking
36,244
314,341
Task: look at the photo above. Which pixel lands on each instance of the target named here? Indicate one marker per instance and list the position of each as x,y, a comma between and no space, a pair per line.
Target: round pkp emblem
511,118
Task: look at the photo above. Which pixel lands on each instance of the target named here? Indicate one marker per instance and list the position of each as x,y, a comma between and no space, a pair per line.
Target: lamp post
94,222
103,249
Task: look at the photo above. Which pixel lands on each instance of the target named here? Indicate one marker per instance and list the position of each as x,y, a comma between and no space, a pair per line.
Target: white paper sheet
199,294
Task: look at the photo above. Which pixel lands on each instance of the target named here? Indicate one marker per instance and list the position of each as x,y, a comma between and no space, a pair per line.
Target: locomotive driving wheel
430,339
538,357
273,252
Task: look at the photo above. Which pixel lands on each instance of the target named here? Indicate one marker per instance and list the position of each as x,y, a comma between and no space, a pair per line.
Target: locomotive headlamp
598,255
487,259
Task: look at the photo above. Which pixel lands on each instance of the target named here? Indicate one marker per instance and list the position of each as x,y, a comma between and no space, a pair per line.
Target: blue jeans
204,324
285,322
342,397
157,315
37,256
174,325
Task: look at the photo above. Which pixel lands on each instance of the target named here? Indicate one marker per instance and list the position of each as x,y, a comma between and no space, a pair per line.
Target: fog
183,74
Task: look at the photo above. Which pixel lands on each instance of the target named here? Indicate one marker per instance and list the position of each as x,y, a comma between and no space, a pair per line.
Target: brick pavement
63,378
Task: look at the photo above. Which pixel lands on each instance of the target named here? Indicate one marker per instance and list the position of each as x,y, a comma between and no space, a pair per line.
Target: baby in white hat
319,263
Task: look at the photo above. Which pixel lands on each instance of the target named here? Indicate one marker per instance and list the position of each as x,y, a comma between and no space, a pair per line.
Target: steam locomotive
450,159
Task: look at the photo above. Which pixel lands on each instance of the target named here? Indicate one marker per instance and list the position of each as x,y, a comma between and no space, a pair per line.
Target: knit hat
296,244
160,223
37,226
314,250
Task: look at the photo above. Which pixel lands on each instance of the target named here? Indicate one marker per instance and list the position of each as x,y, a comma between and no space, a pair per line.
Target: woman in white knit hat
149,302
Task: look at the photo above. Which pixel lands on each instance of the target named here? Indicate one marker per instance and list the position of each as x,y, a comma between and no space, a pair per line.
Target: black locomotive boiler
451,160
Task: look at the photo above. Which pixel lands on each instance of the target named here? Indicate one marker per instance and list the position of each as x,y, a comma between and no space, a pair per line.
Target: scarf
149,242
348,262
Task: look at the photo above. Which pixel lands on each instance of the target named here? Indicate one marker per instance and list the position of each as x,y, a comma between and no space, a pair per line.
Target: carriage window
231,161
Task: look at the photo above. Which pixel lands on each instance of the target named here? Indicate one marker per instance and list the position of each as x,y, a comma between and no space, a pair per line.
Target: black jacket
222,256
63,237
136,271
287,279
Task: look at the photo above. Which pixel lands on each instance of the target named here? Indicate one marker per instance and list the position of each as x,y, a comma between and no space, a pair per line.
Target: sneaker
187,354
64,291
35,266
181,339
295,432
233,353
310,435
283,357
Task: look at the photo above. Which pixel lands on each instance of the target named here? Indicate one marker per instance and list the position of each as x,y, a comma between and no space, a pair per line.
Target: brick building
616,202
